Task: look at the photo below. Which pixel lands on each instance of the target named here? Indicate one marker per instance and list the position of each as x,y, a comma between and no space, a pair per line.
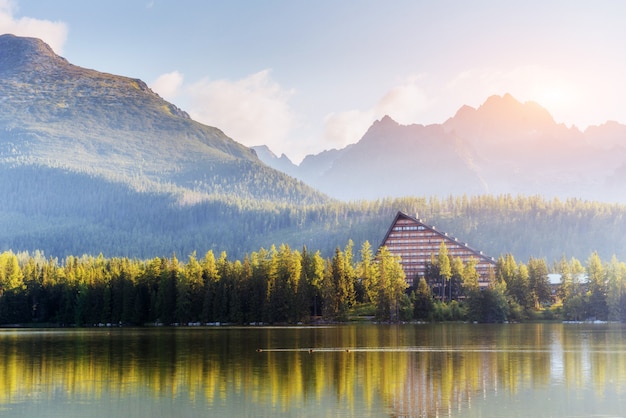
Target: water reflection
364,370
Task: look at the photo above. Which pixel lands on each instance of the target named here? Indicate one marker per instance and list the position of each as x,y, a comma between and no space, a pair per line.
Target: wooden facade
415,243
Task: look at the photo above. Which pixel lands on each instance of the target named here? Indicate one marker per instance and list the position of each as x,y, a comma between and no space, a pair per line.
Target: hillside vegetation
65,213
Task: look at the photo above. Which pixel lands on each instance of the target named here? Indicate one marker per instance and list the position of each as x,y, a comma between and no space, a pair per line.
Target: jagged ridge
502,147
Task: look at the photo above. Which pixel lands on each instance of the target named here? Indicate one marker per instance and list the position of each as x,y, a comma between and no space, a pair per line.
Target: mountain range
98,163
502,147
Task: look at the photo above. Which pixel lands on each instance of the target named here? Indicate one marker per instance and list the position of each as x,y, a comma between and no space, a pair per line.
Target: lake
446,370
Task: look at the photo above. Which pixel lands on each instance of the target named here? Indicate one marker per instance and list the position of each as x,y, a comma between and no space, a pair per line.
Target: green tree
286,285
183,298
367,271
518,292
338,291
538,282
10,273
349,274
312,277
222,302
456,279
445,269
490,304
391,285
576,307
616,276
166,294
195,288
210,278
13,300
506,268
470,277
258,285
423,303
597,288
566,287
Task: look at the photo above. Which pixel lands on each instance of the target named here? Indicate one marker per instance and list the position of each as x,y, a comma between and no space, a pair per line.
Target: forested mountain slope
65,213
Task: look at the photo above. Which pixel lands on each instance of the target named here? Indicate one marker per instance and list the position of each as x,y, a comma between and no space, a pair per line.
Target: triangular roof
443,235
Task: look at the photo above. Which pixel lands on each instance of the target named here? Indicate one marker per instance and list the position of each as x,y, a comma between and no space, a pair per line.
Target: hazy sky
304,76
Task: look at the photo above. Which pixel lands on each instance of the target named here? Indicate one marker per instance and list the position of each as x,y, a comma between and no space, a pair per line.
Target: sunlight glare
559,99
552,97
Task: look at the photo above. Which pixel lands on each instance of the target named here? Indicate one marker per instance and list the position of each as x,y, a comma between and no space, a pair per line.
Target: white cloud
53,33
344,128
252,111
168,85
404,103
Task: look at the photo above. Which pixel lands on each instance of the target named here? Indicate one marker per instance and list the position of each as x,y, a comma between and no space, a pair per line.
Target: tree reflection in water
364,370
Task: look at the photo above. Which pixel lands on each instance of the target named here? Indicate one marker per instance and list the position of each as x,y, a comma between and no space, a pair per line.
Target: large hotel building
415,243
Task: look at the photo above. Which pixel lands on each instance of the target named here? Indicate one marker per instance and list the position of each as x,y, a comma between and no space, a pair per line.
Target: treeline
520,292
270,286
281,285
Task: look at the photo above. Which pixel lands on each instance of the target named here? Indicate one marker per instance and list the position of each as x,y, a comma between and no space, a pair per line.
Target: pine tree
423,304
367,272
538,282
391,285
597,288
312,279
210,278
470,277
445,269
616,282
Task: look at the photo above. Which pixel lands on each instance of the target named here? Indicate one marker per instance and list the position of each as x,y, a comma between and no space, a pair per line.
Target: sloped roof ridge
432,228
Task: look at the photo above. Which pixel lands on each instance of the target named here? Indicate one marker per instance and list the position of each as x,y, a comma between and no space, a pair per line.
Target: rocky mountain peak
513,113
379,127
19,55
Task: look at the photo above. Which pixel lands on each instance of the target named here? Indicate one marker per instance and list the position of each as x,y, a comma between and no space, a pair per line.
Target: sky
304,76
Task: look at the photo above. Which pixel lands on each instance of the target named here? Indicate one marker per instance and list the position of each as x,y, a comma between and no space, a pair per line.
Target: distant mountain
502,147
382,165
282,163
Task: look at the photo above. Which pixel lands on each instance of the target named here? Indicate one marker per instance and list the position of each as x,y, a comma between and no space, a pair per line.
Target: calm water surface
446,370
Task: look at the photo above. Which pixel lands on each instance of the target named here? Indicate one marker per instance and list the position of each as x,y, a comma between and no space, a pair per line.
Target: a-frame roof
444,236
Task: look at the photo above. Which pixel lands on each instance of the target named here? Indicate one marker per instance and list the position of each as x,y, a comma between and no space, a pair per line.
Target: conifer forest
286,286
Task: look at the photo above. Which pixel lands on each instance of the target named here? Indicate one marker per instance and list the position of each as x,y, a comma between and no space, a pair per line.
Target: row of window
413,233
481,268
422,254
409,228
394,240
415,238
401,245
